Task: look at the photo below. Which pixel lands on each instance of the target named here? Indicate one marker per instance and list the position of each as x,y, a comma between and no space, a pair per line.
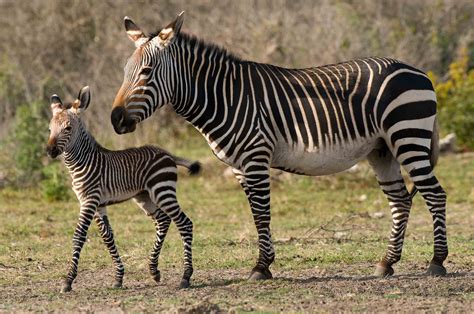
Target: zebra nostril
121,122
117,117
52,151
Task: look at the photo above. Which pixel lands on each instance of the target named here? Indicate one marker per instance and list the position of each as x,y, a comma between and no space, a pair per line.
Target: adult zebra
312,121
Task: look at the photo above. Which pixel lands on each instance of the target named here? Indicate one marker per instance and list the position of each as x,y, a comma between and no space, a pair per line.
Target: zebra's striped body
101,177
313,121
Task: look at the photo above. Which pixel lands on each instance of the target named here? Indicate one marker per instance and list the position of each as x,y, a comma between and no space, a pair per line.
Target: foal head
65,122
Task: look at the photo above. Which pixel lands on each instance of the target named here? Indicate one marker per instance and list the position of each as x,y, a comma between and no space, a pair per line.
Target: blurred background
59,46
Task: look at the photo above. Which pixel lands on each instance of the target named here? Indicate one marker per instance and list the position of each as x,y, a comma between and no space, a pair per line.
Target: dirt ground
325,251
228,291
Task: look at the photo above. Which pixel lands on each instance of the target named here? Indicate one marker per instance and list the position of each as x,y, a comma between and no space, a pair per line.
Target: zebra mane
67,105
193,41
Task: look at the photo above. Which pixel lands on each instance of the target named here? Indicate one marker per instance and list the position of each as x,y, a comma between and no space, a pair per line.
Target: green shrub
26,161
28,141
456,101
55,186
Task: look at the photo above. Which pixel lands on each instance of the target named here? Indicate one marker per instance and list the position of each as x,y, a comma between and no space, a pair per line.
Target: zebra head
65,122
148,81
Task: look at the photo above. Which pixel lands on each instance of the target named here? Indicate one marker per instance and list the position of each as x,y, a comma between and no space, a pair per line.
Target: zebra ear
168,34
82,101
56,104
134,32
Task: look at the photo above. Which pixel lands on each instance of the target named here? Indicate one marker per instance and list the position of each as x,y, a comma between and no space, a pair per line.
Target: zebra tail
194,167
434,149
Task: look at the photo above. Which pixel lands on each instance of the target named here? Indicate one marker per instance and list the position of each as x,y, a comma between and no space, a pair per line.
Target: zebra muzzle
52,151
122,124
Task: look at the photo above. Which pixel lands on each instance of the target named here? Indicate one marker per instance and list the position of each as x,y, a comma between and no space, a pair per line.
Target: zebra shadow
409,276
323,279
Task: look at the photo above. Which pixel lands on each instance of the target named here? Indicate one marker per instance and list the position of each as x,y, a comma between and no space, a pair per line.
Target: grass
322,227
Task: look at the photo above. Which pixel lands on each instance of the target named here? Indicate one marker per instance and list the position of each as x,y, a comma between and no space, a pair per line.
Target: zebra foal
101,177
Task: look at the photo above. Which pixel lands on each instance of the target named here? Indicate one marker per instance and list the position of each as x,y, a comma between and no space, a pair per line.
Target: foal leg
171,208
162,191
162,223
387,171
108,237
86,214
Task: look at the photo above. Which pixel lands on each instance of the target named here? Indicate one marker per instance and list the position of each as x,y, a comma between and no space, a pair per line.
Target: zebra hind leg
166,200
108,238
435,198
387,171
162,223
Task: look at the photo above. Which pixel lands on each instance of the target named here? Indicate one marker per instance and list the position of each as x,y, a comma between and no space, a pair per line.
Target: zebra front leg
256,185
108,237
387,171
80,234
162,224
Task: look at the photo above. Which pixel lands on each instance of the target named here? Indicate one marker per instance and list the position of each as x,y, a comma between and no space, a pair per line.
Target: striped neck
201,71
81,147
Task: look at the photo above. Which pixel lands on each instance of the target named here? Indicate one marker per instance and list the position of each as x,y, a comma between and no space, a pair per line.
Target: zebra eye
68,128
146,70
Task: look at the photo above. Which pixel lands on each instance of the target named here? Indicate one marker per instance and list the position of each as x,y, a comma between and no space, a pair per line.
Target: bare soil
228,290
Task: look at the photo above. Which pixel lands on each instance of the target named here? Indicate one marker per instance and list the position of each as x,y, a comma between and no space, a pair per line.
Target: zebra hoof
184,284
66,288
258,274
156,276
383,271
436,270
118,284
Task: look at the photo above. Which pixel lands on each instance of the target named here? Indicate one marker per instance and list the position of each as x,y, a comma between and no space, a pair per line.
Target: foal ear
168,34
134,32
82,101
56,104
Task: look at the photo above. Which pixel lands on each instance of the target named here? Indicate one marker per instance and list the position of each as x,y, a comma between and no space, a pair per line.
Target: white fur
322,161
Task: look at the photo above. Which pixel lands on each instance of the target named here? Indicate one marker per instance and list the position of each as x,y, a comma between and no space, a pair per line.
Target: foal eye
68,128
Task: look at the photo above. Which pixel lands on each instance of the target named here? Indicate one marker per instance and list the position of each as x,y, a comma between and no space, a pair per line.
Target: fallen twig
6,266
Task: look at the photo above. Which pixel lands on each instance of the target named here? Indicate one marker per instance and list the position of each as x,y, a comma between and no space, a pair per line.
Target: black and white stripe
312,121
101,177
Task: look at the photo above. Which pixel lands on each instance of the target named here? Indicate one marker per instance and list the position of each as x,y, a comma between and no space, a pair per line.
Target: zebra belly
322,161
114,198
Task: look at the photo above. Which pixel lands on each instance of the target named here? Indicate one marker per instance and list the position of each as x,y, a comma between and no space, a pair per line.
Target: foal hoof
383,271
436,270
156,276
66,288
117,284
258,274
184,284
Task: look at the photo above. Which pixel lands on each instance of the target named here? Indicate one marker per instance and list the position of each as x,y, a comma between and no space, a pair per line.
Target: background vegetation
58,46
